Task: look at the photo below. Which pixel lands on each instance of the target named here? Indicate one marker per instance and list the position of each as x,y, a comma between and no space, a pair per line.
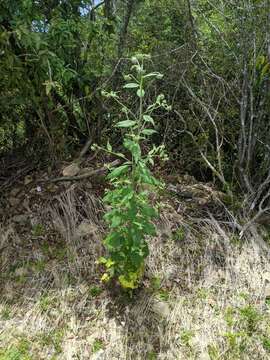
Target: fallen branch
84,176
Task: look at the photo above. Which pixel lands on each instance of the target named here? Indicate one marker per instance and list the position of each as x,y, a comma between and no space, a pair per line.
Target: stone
84,229
267,292
28,179
89,185
22,271
21,219
14,201
14,192
99,355
71,170
170,273
52,188
26,204
162,309
266,277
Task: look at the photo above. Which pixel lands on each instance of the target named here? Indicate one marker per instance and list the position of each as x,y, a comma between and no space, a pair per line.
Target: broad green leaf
113,240
134,148
102,260
140,93
126,123
105,278
131,86
109,146
148,118
148,211
116,221
154,74
148,131
126,283
120,170
149,229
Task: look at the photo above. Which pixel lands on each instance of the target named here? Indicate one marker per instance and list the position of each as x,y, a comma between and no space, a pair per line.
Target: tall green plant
130,212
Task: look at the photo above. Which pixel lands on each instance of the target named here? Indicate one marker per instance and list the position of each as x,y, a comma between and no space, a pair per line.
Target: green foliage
52,338
95,291
21,351
98,345
130,213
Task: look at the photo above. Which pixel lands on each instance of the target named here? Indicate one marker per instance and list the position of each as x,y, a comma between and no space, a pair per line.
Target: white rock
162,309
71,170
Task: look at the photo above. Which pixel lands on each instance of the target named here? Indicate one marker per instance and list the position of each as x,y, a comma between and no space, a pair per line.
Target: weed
179,234
97,345
155,283
266,343
5,313
45,303
213,352
130,215
151,355
251,317
95,291
21,351
53,338
164,294
38,230
186,336
230,316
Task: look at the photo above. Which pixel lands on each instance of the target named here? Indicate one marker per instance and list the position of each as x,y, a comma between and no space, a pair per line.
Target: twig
84,176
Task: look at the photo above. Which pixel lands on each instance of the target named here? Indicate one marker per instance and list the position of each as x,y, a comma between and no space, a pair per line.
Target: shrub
130,213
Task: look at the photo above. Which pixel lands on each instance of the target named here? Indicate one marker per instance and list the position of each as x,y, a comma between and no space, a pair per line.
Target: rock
162,309
89,185
14,192
188,179
28,179
267,292
71,170
170,273
202,201
22,219
52,188
266,276
14,201
99,355
22,271
84,229
26,204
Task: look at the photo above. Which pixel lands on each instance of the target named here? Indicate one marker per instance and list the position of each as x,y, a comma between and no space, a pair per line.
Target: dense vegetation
57,56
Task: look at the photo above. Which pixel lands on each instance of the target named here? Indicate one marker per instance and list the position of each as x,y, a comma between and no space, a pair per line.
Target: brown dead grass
198,281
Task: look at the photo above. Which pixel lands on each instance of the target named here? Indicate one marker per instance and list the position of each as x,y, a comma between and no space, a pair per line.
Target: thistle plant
130,215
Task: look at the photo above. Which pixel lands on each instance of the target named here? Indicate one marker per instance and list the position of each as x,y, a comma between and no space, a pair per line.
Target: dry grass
204,295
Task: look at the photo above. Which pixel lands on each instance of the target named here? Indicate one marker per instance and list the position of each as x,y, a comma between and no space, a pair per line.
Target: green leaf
148,118
134,148
126,123
140,93
149,229
113,240
120,170
148,131
109,146
116,221
154,74
128,283
131,86
148,211
102,260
